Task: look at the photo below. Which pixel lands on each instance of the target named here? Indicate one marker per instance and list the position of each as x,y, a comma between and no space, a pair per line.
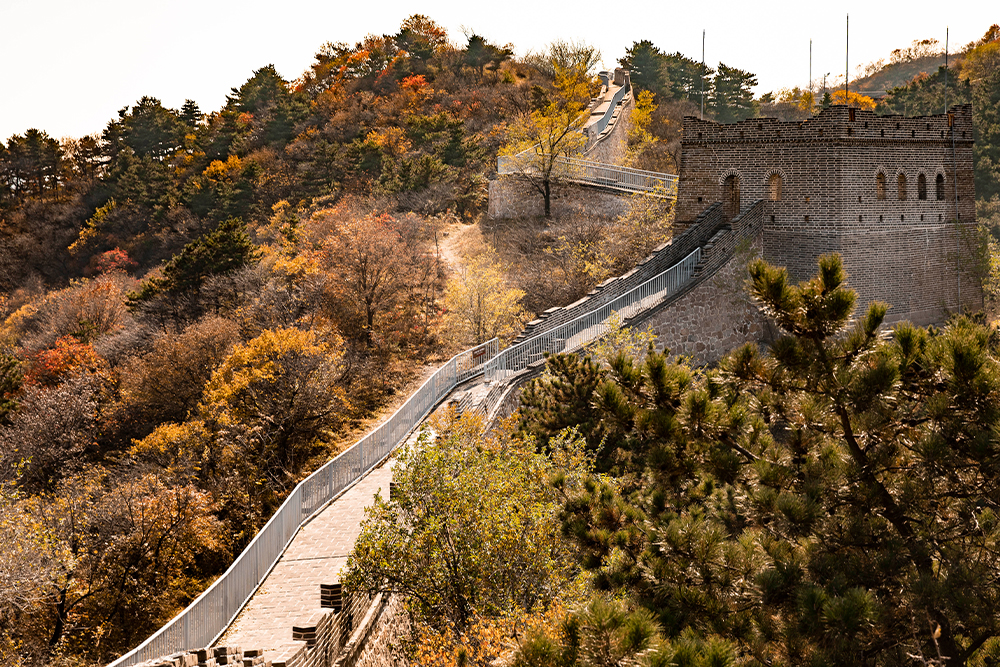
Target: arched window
901,182
940,187
774,187
731,196
880,186
921,187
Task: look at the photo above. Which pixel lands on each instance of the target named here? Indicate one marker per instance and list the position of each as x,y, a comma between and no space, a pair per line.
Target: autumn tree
480,305
373,268
52,433
87,310
280,390
11,380
264,413
453,557
24,573
166,383
537,140
856,100
117,554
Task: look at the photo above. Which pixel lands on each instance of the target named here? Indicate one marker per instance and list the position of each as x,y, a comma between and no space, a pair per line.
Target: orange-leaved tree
856,100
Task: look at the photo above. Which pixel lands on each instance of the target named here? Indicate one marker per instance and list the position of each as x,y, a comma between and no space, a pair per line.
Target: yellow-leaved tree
481,305
538,139
265,412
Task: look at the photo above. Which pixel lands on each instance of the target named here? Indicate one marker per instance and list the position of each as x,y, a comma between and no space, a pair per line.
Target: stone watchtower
893,195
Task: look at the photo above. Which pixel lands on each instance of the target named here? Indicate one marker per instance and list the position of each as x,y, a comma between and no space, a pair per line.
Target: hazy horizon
71,66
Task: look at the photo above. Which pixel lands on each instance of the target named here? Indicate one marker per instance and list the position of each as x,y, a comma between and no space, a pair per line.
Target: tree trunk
548,196
370,317
60,626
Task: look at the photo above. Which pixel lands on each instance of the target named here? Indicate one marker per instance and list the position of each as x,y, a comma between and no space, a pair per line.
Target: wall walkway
316,556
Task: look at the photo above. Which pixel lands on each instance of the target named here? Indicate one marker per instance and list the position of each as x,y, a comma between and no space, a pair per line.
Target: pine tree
222,251
831,501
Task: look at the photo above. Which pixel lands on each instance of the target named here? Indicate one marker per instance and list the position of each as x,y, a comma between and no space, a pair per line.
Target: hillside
898,74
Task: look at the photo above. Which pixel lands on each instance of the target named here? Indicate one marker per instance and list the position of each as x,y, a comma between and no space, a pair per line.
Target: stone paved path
316,555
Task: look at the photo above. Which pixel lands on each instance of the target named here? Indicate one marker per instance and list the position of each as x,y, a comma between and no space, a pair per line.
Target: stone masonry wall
713,318
714,314
382,646
915,253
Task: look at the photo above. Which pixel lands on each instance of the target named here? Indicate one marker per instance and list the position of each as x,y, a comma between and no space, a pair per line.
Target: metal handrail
589,172
205,619
591,326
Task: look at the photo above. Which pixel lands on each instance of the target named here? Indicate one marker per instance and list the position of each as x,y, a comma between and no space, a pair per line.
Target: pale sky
69,65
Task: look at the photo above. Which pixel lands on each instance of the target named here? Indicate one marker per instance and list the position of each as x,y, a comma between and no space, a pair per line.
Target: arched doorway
731,196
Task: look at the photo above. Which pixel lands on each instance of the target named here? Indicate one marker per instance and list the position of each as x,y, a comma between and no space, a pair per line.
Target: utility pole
946,70
847,61
954,172
811,67
703,74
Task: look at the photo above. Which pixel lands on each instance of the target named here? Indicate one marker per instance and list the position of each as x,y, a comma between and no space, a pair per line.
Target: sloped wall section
714,314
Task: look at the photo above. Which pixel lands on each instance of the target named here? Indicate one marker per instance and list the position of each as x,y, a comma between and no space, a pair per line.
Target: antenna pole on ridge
811,67
946,70
847,61
703,74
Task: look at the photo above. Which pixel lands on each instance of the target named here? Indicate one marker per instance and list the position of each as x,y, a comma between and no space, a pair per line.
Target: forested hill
897,74
922,57
406,116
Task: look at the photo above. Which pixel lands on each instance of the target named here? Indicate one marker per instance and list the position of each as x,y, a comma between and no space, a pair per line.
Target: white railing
592,173
207,618
605,118
590,326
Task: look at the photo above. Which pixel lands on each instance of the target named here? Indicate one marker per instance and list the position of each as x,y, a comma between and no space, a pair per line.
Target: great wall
785,191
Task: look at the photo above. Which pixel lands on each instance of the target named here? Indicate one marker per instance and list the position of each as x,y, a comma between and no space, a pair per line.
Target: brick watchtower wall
821,182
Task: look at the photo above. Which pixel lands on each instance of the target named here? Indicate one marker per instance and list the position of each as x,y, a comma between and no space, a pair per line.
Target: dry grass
558,261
